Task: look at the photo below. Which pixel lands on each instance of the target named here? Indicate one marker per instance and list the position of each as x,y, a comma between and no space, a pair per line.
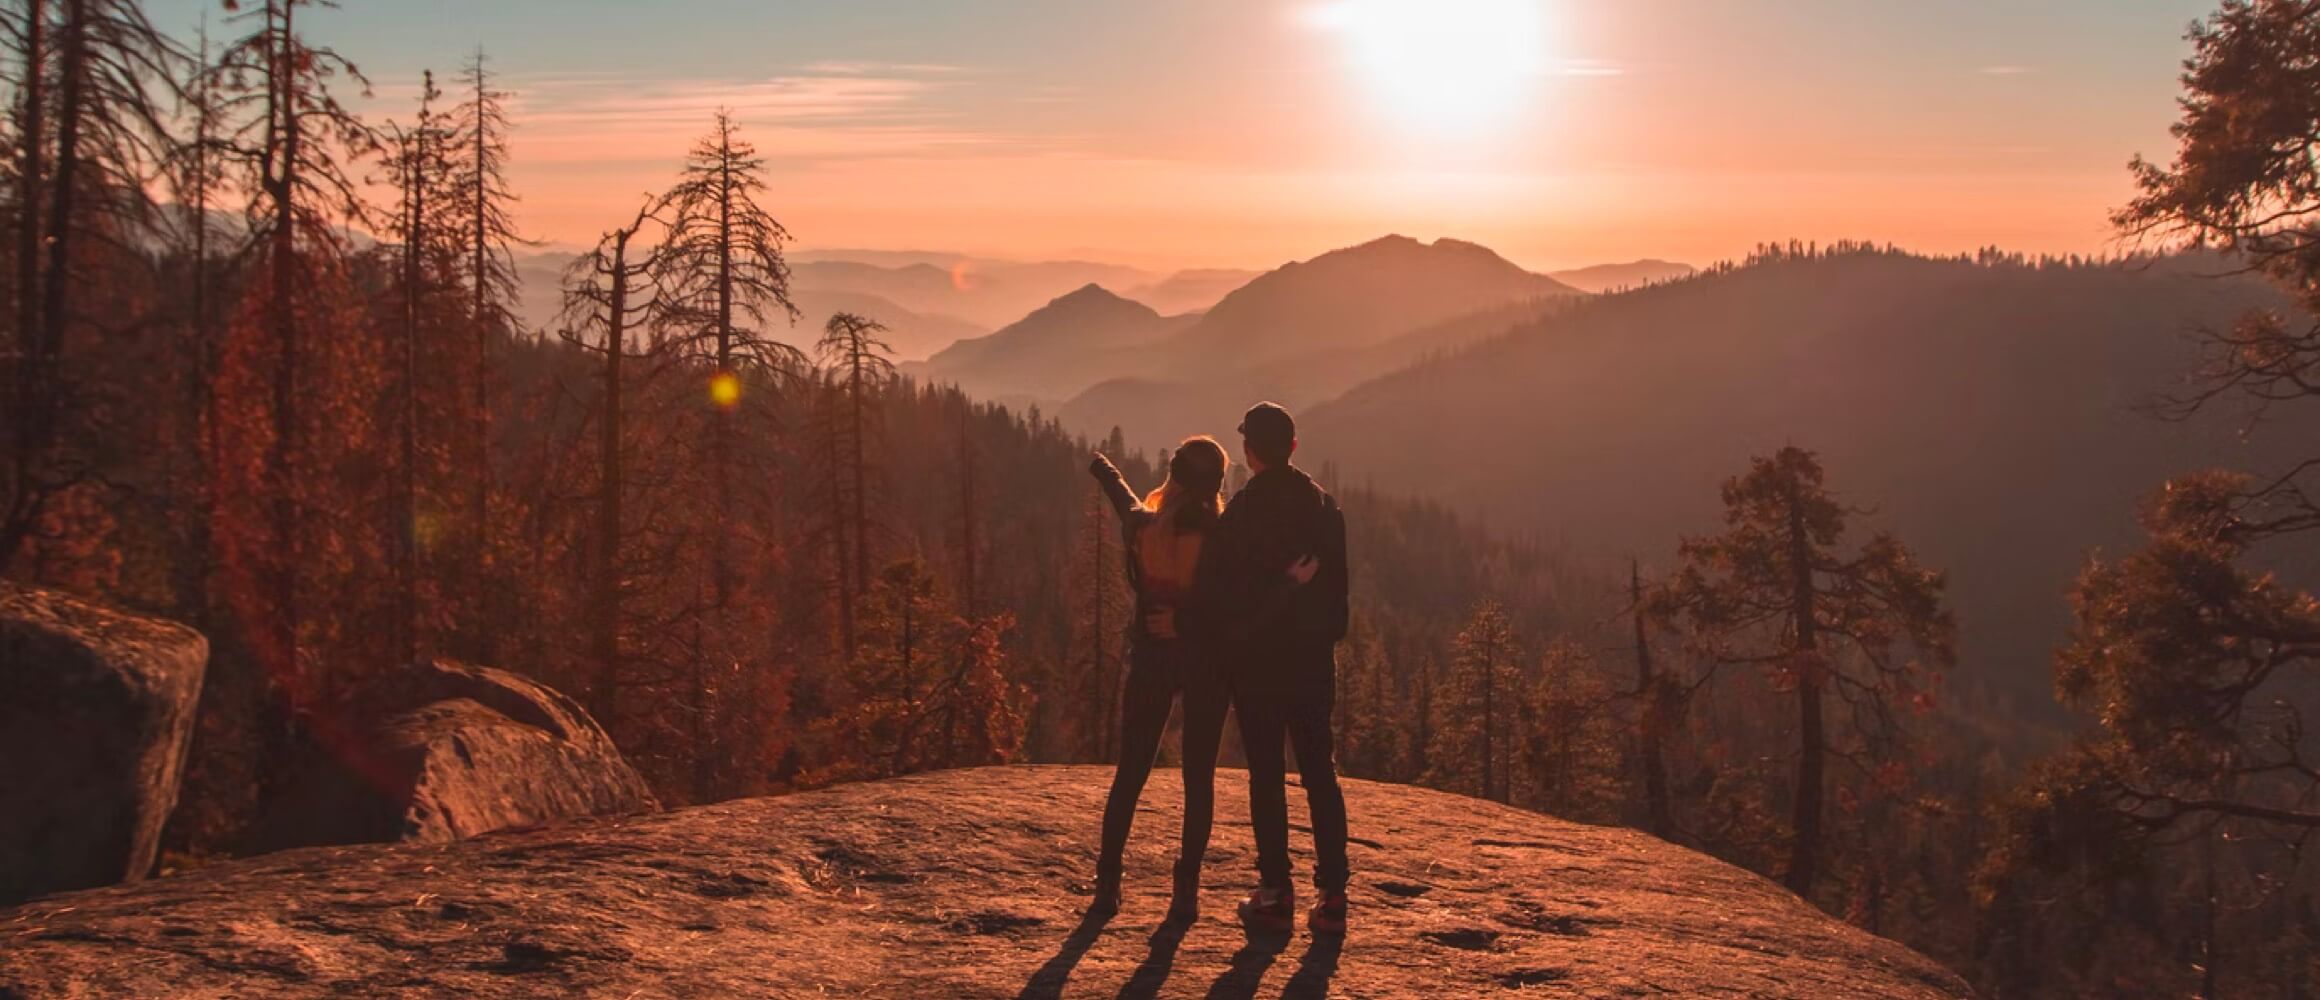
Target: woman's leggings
1159,672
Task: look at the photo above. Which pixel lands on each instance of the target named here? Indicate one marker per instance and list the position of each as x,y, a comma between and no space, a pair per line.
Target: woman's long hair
1194,490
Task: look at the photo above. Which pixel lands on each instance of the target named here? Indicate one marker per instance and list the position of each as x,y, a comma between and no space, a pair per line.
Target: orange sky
1249,132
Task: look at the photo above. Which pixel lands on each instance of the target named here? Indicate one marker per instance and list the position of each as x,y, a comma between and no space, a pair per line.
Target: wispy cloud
825,110
2003,70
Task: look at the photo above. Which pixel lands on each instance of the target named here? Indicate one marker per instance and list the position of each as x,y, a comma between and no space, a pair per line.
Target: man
1279,650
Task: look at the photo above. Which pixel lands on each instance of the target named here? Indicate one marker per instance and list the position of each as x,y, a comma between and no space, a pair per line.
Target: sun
1448,65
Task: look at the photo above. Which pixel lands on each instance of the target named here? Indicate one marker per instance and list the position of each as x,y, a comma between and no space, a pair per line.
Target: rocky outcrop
964,884
446,751
96,708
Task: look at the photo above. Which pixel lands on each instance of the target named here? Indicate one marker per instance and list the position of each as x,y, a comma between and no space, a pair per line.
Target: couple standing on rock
1238,605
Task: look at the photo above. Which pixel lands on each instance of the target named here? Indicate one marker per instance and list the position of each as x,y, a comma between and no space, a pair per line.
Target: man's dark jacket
1281,516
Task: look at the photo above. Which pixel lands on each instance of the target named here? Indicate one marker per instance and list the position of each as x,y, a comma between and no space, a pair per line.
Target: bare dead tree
721,272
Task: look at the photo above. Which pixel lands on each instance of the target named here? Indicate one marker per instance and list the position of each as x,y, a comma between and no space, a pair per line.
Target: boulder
96,708
446,751
967,884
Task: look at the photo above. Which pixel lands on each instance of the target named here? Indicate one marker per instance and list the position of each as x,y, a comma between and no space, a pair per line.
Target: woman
1164,536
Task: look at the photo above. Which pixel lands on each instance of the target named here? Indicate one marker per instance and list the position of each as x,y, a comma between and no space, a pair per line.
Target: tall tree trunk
479,499
704,768
1658,816
1812,744
607,625
1489,722
841,554
855,391
201,396
278,712
967,538
407,488
907,674
2208,953
721,435
26,403
63,195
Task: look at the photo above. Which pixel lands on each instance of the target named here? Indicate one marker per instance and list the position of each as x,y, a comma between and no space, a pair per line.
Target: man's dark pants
1285,694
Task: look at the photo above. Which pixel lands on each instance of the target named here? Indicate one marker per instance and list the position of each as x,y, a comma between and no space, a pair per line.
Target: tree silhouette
860,365
2194,666
970,488
193,172
1473,736
85,152
2242,182
1567,740
606,293
289,138
478,153
1657,697
420,174
1095,667
1778,590
721,269
927,688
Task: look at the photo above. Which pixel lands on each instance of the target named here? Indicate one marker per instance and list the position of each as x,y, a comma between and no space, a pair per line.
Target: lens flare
724,390
963,276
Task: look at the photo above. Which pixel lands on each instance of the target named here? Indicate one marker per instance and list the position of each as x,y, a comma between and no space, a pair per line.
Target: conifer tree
1569,748
294,373
1101,609
1473,733
1779,590
607,294
420,173
1657,699
928,687
859,365
92,127
722,273
193,173
484,219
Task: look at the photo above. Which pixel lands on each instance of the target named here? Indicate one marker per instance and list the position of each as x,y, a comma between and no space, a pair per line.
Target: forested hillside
1995,411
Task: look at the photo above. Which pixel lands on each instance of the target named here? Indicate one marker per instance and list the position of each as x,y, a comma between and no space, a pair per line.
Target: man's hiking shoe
1328,916
1270,909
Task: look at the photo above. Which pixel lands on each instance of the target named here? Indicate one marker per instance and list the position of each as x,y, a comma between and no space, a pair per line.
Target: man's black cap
1267,423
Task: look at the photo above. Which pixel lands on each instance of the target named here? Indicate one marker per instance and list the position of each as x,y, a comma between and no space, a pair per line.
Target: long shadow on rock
1247,972
1153,971
1314,970
1048,981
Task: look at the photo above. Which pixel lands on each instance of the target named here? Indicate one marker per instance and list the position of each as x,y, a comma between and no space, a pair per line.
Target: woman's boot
1107,898
1184,903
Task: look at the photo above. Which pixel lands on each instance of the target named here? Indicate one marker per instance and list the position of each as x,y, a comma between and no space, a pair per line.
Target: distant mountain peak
1090,292
1088,298
1395,246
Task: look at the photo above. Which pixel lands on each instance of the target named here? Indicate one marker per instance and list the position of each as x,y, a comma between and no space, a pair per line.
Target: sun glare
1449,65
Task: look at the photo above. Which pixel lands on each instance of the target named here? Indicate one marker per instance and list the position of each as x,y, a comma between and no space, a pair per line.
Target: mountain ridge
1079,334
1989,413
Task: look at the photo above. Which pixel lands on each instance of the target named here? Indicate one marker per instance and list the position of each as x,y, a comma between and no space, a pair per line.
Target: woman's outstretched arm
1115,485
